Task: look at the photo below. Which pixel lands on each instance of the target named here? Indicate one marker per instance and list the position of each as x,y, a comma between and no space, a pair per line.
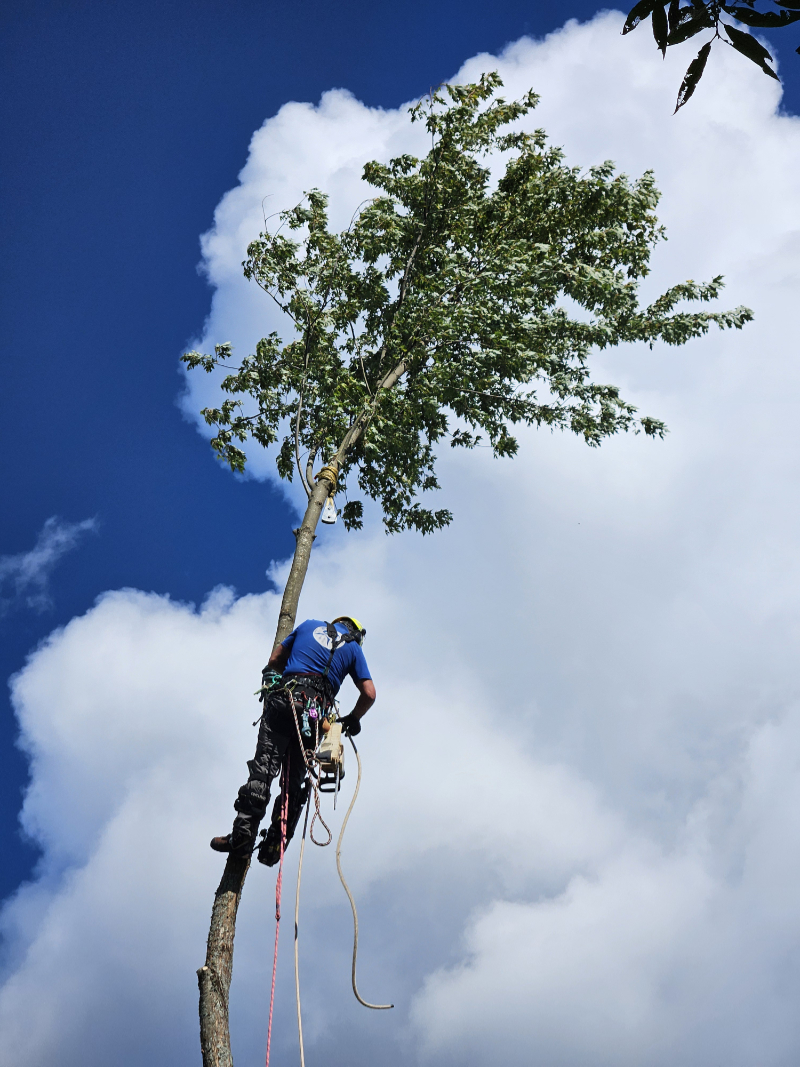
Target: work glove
351,725
269,680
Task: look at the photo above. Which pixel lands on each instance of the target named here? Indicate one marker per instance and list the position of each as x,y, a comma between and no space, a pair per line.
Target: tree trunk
302,551
214,978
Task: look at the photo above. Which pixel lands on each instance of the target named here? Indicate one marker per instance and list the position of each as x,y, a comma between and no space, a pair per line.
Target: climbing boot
221,844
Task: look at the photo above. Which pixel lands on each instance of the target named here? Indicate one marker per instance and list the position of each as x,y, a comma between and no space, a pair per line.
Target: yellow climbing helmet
361,633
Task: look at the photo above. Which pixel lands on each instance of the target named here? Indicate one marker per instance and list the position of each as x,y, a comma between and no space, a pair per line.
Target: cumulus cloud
577,840
27,575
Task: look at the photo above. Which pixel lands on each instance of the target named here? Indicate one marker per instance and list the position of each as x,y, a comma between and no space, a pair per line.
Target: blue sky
653,583
123,124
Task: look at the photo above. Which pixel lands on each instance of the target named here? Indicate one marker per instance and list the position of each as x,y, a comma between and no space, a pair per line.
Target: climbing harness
337,640
309,757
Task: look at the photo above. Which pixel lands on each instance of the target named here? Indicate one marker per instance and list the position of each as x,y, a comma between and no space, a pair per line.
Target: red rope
278,887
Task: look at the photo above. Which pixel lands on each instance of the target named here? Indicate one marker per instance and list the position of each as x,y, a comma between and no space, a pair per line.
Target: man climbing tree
466,297
299,686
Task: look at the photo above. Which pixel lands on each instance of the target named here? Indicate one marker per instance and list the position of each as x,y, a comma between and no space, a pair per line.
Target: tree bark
214,978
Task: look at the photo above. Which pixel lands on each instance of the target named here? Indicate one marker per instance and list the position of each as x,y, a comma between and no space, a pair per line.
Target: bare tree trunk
214,978
302,550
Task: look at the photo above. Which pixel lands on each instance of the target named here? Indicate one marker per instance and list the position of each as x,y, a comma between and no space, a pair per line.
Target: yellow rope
332,475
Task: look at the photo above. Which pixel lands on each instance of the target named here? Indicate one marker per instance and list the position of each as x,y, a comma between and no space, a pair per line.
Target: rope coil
359,998
331,474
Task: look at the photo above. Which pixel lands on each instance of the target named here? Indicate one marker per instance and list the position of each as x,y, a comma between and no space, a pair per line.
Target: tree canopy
465,298
675,22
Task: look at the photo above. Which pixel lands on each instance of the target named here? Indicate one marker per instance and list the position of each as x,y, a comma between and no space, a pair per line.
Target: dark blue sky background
123,123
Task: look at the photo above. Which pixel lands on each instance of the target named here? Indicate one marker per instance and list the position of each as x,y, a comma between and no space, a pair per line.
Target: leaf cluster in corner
674,22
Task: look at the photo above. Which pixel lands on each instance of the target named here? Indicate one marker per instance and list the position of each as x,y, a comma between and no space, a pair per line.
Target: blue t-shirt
310,648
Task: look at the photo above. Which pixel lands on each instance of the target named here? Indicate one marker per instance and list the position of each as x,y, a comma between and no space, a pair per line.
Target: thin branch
272,296
360,357
226,366
306,483
495,396
312,455
369,200
407,270
409,264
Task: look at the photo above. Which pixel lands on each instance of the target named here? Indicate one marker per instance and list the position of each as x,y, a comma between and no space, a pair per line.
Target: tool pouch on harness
311,701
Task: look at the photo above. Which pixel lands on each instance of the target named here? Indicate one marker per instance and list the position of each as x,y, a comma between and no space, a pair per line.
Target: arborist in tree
299,687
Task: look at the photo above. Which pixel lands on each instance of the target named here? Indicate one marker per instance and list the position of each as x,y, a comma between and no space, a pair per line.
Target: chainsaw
329,758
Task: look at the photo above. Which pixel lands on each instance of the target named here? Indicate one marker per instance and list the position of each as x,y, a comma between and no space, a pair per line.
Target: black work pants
278,744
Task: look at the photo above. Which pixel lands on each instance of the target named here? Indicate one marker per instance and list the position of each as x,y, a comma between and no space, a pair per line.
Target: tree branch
312,455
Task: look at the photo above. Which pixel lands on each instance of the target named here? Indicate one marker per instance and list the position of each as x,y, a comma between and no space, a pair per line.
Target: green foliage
452,308
684,20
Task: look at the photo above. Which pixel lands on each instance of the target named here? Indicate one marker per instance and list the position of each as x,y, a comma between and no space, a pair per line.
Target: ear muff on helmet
358,630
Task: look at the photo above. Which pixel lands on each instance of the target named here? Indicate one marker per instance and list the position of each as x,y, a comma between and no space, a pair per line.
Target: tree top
465,298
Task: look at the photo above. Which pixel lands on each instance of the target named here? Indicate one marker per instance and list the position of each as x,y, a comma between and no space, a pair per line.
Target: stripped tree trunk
304,538
214,978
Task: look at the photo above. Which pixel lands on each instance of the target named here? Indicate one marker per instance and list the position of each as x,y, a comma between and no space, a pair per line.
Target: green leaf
769,20
660,27
747,44
688,29
638,14
693,76
353,515
750,47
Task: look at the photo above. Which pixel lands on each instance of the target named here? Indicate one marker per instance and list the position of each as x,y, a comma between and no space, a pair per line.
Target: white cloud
577,842
27,574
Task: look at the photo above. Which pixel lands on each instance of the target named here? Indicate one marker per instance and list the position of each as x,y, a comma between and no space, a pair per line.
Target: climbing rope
359,998
296,930
278,888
